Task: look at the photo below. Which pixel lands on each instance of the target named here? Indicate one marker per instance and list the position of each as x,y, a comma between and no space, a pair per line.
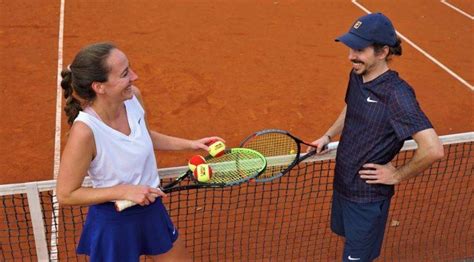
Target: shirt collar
377,81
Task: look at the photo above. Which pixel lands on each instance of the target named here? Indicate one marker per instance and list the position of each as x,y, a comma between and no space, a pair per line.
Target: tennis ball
194,161
216,149
203,173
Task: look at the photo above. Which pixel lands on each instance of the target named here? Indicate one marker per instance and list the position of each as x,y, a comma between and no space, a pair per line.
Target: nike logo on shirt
353,258
370,100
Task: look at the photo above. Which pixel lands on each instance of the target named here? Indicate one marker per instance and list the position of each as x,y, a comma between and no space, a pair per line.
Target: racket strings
273,144
280,150
236,166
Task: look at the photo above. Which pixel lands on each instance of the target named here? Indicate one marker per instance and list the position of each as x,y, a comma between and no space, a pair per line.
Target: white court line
457,9
57,133
57,137
434,60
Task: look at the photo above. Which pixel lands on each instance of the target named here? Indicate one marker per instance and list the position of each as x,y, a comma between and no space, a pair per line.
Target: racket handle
120,205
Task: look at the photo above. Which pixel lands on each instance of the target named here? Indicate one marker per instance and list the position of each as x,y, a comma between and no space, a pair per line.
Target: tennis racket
281,149
234,167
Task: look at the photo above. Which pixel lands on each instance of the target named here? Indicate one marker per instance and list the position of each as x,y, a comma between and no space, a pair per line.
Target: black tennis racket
281,149
234,167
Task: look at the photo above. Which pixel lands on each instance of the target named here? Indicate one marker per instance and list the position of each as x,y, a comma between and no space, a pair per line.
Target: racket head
280,148
234,167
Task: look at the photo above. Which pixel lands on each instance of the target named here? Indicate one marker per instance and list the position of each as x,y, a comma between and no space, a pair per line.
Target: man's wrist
397,176
329,136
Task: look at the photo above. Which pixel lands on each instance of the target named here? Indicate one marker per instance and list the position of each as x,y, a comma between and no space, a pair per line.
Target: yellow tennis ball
194,161
217,148
203,173
292,151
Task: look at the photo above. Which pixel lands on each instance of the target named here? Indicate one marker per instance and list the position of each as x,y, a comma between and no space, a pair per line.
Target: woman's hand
204,143
140,194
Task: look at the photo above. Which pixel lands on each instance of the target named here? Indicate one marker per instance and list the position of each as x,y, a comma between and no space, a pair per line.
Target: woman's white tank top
122,159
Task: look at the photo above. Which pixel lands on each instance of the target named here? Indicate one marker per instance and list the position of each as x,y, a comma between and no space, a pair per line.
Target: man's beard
360,70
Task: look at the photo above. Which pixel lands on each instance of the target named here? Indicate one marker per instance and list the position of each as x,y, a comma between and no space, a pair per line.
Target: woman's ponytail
73,106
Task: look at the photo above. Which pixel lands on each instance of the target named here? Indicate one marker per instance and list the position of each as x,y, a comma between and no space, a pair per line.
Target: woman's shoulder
81,142
81,131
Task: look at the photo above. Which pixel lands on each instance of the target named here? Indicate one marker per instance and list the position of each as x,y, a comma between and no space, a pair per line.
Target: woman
109,141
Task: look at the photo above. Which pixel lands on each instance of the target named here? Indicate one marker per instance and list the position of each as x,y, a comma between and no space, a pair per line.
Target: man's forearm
429,150
338,125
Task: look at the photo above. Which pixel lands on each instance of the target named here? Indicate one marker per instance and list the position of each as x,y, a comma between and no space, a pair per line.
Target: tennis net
431,216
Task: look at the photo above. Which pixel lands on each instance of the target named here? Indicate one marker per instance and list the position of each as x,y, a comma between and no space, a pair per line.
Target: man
381,112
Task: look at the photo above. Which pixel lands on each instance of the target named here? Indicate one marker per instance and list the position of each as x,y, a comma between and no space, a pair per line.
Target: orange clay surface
224,68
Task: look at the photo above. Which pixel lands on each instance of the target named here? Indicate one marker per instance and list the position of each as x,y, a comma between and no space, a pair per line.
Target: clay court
225,68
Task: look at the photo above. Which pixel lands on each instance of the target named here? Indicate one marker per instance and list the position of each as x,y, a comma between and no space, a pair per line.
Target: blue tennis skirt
109,235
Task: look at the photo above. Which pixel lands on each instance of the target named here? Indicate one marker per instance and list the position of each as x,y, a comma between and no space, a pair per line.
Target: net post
37,222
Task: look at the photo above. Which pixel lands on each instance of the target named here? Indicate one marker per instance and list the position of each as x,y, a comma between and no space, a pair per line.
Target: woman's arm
76,159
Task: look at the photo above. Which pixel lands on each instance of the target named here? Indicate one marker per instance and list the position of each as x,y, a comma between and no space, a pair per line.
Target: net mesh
431,217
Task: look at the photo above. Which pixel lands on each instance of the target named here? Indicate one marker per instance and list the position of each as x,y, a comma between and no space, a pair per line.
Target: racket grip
121,205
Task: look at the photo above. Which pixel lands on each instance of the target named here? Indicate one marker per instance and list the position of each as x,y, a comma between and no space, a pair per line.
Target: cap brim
353,41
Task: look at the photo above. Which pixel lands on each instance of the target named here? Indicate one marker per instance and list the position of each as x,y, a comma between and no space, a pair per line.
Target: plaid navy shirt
381,115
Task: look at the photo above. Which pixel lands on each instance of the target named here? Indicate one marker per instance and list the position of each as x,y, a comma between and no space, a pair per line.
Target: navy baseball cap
368,30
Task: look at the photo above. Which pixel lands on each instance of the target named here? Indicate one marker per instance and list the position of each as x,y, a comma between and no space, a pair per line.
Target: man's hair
393,50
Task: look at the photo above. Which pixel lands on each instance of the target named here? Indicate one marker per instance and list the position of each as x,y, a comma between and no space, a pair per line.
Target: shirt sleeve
406,116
